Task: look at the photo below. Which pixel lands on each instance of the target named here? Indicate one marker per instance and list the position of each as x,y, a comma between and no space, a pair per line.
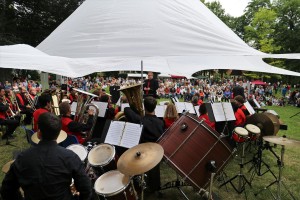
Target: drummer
45,106
239,115
45,171
153,128
240,102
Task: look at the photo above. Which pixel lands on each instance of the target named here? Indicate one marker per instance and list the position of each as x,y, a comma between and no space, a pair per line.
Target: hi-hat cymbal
6,167
140,159
281,141
61,137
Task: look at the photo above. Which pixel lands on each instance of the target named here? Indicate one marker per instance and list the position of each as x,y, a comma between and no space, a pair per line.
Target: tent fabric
171,37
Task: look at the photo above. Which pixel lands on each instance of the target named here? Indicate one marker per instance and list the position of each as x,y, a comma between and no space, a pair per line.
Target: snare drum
253,130
189,147
239,134
79,150
102,158
114,185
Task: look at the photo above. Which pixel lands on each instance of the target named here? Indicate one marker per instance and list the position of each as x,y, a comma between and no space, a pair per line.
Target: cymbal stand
258,162
176,184
278,180
242,180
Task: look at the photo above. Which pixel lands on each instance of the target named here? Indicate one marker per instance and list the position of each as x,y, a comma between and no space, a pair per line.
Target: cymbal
61,137
140,159
263,122
6,166
281,141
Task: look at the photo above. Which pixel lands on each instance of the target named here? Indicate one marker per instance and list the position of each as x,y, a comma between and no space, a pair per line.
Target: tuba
134,97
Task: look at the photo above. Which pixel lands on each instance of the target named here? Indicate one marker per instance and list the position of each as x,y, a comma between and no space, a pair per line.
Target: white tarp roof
170,36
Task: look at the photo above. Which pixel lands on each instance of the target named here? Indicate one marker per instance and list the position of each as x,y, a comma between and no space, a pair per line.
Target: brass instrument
82,106
14,101
10,113
30,100
134,97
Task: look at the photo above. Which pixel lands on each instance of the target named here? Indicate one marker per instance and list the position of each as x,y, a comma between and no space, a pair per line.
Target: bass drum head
79,150
111,183
101,155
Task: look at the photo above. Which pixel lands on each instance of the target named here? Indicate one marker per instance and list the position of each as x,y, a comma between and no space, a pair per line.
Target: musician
33,96
240,102
238,90
24,105
171,115
204,116
11,124
45,171
114,90
153,128
150,86
72,127
239,115
45,106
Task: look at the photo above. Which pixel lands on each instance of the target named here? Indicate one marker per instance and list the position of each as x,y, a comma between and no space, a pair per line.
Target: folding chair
71,139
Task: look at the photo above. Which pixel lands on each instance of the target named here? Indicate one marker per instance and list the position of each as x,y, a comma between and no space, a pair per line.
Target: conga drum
190,145
114,185
254,131
80,150
102,158
240,134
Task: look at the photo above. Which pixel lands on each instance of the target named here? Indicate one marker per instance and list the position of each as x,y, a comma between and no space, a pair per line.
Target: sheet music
131,136
218,112
197,110
228,111
102,106
249,108
124,105
114,133
73,108
160,110
180,106
256,103
189,107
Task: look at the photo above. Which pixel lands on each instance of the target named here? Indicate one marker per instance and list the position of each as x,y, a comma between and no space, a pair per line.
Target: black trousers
29,113
11,125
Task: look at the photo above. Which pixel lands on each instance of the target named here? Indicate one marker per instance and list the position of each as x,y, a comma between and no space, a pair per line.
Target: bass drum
190,145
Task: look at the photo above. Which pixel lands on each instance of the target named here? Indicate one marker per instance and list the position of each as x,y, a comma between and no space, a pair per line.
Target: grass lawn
291,169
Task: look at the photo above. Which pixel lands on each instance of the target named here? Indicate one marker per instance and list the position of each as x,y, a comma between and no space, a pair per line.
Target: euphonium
134,97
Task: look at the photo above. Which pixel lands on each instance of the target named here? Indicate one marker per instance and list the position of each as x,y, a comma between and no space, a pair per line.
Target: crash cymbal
263,122
140,159
275,121
281,140
61,137
7,165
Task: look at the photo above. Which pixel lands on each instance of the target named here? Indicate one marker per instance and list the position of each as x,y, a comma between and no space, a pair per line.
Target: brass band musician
73,127
5,112
25,105
45,106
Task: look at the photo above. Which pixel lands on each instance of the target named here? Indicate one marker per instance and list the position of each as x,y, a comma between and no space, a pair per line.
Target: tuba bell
134,97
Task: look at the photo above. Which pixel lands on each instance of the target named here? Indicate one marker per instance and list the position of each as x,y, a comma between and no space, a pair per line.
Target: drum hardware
242,180
283,141
295,115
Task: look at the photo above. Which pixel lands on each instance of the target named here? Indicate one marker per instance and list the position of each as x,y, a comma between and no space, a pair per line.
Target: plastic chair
28,133
71,139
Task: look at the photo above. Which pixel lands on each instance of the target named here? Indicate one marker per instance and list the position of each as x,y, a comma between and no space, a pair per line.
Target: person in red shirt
45,106
240,103
72,127
171,115
204,116
239,115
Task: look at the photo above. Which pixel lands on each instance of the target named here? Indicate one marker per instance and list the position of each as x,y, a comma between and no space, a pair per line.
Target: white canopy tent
170,36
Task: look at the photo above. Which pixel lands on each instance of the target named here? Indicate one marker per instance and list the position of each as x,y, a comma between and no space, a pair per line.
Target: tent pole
142,78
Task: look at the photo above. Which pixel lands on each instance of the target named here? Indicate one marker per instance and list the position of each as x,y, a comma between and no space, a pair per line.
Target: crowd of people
23,105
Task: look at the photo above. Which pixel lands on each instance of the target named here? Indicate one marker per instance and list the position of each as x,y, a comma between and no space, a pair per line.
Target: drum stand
241,177
258,162
278,180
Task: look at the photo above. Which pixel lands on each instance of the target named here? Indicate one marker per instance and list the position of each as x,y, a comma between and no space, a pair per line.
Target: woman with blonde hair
171,115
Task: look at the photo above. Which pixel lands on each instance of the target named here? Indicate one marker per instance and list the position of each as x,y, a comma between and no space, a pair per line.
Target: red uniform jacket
36,116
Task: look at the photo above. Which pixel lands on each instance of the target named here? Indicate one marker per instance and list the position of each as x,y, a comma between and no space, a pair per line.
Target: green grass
290,172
